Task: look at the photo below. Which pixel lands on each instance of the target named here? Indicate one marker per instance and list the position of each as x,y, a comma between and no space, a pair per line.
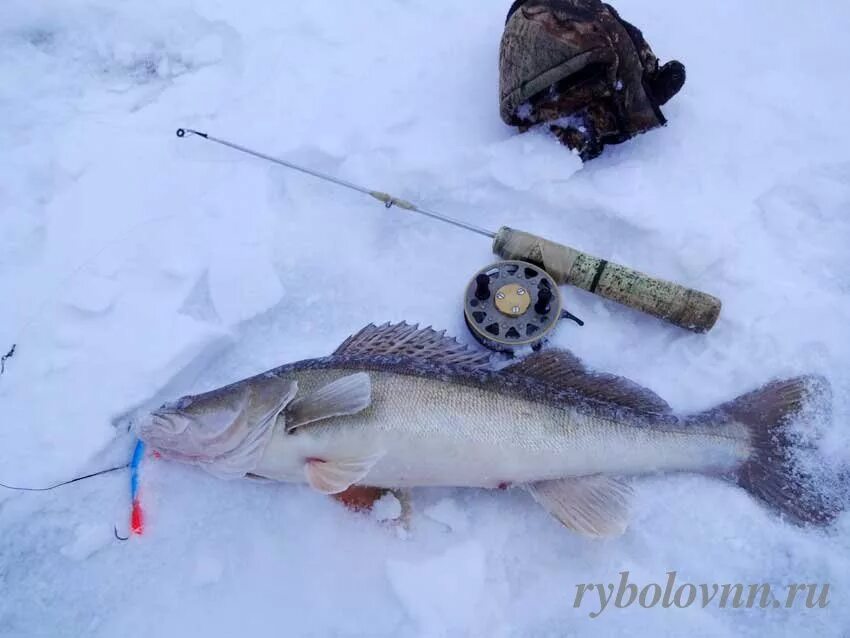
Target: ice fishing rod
490,320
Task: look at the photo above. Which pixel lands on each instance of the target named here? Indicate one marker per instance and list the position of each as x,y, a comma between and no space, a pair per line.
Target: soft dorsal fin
563,369
405,340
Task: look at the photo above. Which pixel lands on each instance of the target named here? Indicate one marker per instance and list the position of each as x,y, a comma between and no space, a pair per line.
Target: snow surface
136,267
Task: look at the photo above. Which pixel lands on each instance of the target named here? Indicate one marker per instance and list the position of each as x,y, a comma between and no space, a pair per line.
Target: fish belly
441,433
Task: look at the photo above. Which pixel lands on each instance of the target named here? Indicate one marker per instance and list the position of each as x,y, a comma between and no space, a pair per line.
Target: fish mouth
164,430
165,422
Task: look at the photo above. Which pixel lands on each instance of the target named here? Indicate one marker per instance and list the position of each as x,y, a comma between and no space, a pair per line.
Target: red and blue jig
137,519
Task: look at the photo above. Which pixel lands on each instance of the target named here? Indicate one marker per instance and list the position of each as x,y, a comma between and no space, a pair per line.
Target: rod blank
385,198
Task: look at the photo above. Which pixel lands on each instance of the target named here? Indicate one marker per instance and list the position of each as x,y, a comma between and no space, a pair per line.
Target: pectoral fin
337,475
595,505
348,395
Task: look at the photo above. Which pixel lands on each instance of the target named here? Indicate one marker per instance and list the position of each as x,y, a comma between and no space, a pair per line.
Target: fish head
224,430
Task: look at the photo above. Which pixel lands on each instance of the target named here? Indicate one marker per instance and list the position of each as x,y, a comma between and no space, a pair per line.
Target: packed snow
136,267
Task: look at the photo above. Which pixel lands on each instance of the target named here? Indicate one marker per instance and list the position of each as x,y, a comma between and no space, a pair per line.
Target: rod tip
181,132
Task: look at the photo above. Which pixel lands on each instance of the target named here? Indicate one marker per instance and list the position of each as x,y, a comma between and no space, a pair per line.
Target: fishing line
73,480
136,512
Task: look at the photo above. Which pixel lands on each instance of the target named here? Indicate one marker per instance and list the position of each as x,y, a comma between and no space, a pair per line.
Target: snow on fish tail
769,473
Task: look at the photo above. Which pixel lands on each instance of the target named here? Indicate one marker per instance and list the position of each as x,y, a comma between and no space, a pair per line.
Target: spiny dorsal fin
563,369
405,340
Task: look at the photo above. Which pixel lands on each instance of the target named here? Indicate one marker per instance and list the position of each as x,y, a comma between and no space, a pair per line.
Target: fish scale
399,406
435,432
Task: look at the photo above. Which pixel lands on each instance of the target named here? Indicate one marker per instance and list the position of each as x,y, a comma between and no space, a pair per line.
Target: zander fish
398,406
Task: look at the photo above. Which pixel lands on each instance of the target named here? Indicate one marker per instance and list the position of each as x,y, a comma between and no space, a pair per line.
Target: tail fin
769,474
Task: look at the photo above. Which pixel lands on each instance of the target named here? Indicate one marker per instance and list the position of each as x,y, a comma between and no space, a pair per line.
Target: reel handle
685,307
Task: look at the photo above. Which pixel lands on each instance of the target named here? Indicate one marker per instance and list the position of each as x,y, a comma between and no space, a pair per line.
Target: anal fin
596,506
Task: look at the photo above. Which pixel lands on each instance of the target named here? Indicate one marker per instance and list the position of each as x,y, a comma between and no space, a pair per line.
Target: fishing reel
511,304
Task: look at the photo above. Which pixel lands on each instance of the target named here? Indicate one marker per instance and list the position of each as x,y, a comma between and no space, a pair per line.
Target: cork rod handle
685,307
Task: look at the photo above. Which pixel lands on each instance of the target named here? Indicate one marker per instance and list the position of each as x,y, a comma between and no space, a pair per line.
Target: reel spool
511,304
